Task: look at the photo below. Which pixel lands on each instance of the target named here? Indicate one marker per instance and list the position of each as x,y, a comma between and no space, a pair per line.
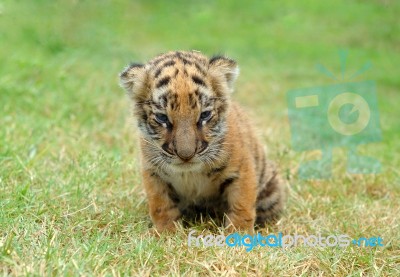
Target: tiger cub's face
180,101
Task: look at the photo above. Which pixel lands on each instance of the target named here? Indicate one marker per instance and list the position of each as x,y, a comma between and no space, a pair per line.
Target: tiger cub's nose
186,154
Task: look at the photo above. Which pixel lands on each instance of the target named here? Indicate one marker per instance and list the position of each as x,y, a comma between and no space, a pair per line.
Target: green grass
71,200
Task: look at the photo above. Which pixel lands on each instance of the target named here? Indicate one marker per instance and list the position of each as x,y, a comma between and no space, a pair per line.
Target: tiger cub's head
180,101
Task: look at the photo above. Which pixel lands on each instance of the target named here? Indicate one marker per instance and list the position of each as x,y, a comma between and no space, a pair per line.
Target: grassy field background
71,200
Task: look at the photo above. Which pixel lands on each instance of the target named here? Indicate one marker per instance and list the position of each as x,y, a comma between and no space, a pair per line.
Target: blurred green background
69,178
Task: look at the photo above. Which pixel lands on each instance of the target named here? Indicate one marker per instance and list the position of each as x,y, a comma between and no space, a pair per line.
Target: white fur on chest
192,185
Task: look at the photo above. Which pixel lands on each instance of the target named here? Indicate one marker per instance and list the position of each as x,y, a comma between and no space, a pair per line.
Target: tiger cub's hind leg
271,198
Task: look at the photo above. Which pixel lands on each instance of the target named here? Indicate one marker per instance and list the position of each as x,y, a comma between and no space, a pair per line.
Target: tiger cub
198,150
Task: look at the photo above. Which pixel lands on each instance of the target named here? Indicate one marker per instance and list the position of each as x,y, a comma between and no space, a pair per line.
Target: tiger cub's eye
205,115
161,118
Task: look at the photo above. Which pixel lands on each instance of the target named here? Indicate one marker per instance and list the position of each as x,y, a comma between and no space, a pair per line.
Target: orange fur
199,150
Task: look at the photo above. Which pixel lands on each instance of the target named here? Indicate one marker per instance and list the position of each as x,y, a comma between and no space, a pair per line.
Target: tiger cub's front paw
164,219
240,221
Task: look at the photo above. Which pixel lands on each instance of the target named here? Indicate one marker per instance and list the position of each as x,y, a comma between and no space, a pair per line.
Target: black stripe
226,183
158,72
198,81
150,130
162,67
153,174
158,106
158,60
217,170
269,208
200,69
173,195
169,63
161,58
187,55
262,174
185,61
192,101
163,82
268,190
164,100
206,100
216,58
131,65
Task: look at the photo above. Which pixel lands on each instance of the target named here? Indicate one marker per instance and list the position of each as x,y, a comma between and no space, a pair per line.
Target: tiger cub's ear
134,80
224,72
